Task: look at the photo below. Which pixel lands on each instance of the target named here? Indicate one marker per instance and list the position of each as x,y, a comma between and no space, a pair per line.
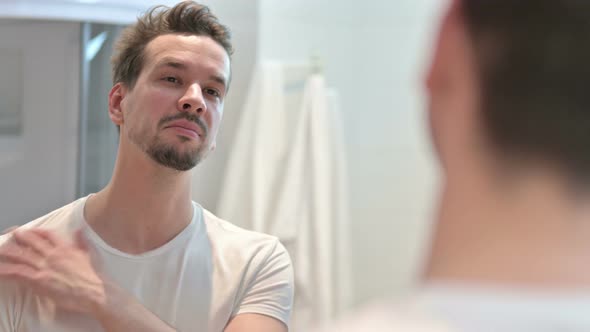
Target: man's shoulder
222,230
63,220
230,240
256,264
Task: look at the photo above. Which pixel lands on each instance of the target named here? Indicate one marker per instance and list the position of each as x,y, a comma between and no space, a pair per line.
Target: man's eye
212,92
171,79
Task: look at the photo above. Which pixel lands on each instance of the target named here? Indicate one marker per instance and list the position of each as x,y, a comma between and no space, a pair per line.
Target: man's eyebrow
219,79
177,64
171,62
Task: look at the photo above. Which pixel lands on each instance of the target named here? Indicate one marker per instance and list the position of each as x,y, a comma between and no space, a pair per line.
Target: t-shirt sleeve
8,305
270,290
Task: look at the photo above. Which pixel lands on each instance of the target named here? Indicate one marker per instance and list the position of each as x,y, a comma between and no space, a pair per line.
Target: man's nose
192,100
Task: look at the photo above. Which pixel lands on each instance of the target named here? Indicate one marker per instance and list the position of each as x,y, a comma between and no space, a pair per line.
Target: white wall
374,54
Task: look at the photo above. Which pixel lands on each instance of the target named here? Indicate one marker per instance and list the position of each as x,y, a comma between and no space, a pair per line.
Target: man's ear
116,97
439,56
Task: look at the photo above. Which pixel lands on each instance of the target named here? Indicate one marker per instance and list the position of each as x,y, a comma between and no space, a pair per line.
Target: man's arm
64,272
268,299
255,322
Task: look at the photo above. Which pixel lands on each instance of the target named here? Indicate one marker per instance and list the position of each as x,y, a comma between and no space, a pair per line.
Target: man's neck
529,230
144,206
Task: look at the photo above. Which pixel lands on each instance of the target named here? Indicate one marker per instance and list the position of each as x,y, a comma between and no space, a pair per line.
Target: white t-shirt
456,308
206,275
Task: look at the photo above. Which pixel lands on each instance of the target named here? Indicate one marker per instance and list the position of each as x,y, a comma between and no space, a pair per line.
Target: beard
167,154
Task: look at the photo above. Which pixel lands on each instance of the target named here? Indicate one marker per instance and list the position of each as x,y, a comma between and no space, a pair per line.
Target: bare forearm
120,312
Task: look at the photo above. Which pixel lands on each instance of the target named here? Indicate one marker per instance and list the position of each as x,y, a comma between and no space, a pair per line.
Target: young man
510,119
139,255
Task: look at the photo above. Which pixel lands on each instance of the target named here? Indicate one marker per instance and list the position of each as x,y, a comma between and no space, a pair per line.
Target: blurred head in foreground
509,114
510,119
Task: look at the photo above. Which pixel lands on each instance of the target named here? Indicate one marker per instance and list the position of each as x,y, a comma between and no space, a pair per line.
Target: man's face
174,110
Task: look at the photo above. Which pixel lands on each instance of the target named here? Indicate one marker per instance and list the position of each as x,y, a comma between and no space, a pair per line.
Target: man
139,255
510,119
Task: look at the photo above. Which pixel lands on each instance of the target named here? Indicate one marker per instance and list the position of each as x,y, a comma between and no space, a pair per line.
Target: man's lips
186,127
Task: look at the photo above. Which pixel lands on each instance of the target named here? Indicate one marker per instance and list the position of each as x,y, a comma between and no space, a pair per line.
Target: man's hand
63,272
53,268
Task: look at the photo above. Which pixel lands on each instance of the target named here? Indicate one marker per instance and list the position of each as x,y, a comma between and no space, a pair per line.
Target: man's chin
180,168
179,165
171,158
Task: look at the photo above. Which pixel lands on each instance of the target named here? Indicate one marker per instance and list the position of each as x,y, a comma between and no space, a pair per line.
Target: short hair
187,17
533,62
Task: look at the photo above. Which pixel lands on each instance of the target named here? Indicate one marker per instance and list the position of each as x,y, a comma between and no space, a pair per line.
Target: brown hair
533,62
187,17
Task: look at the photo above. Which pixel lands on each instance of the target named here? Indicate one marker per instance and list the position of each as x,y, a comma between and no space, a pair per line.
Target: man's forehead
186,50
186,43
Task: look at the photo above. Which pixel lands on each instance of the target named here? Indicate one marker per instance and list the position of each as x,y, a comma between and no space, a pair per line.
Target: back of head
533,63
186,17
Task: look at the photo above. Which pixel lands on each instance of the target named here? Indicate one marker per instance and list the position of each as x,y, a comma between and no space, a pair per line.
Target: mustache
186,116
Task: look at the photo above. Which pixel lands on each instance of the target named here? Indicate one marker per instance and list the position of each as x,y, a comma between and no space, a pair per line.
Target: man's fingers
16,271
20,256
33,240
53,239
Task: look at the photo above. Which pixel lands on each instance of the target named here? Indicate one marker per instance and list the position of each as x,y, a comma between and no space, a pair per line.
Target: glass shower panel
99,136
